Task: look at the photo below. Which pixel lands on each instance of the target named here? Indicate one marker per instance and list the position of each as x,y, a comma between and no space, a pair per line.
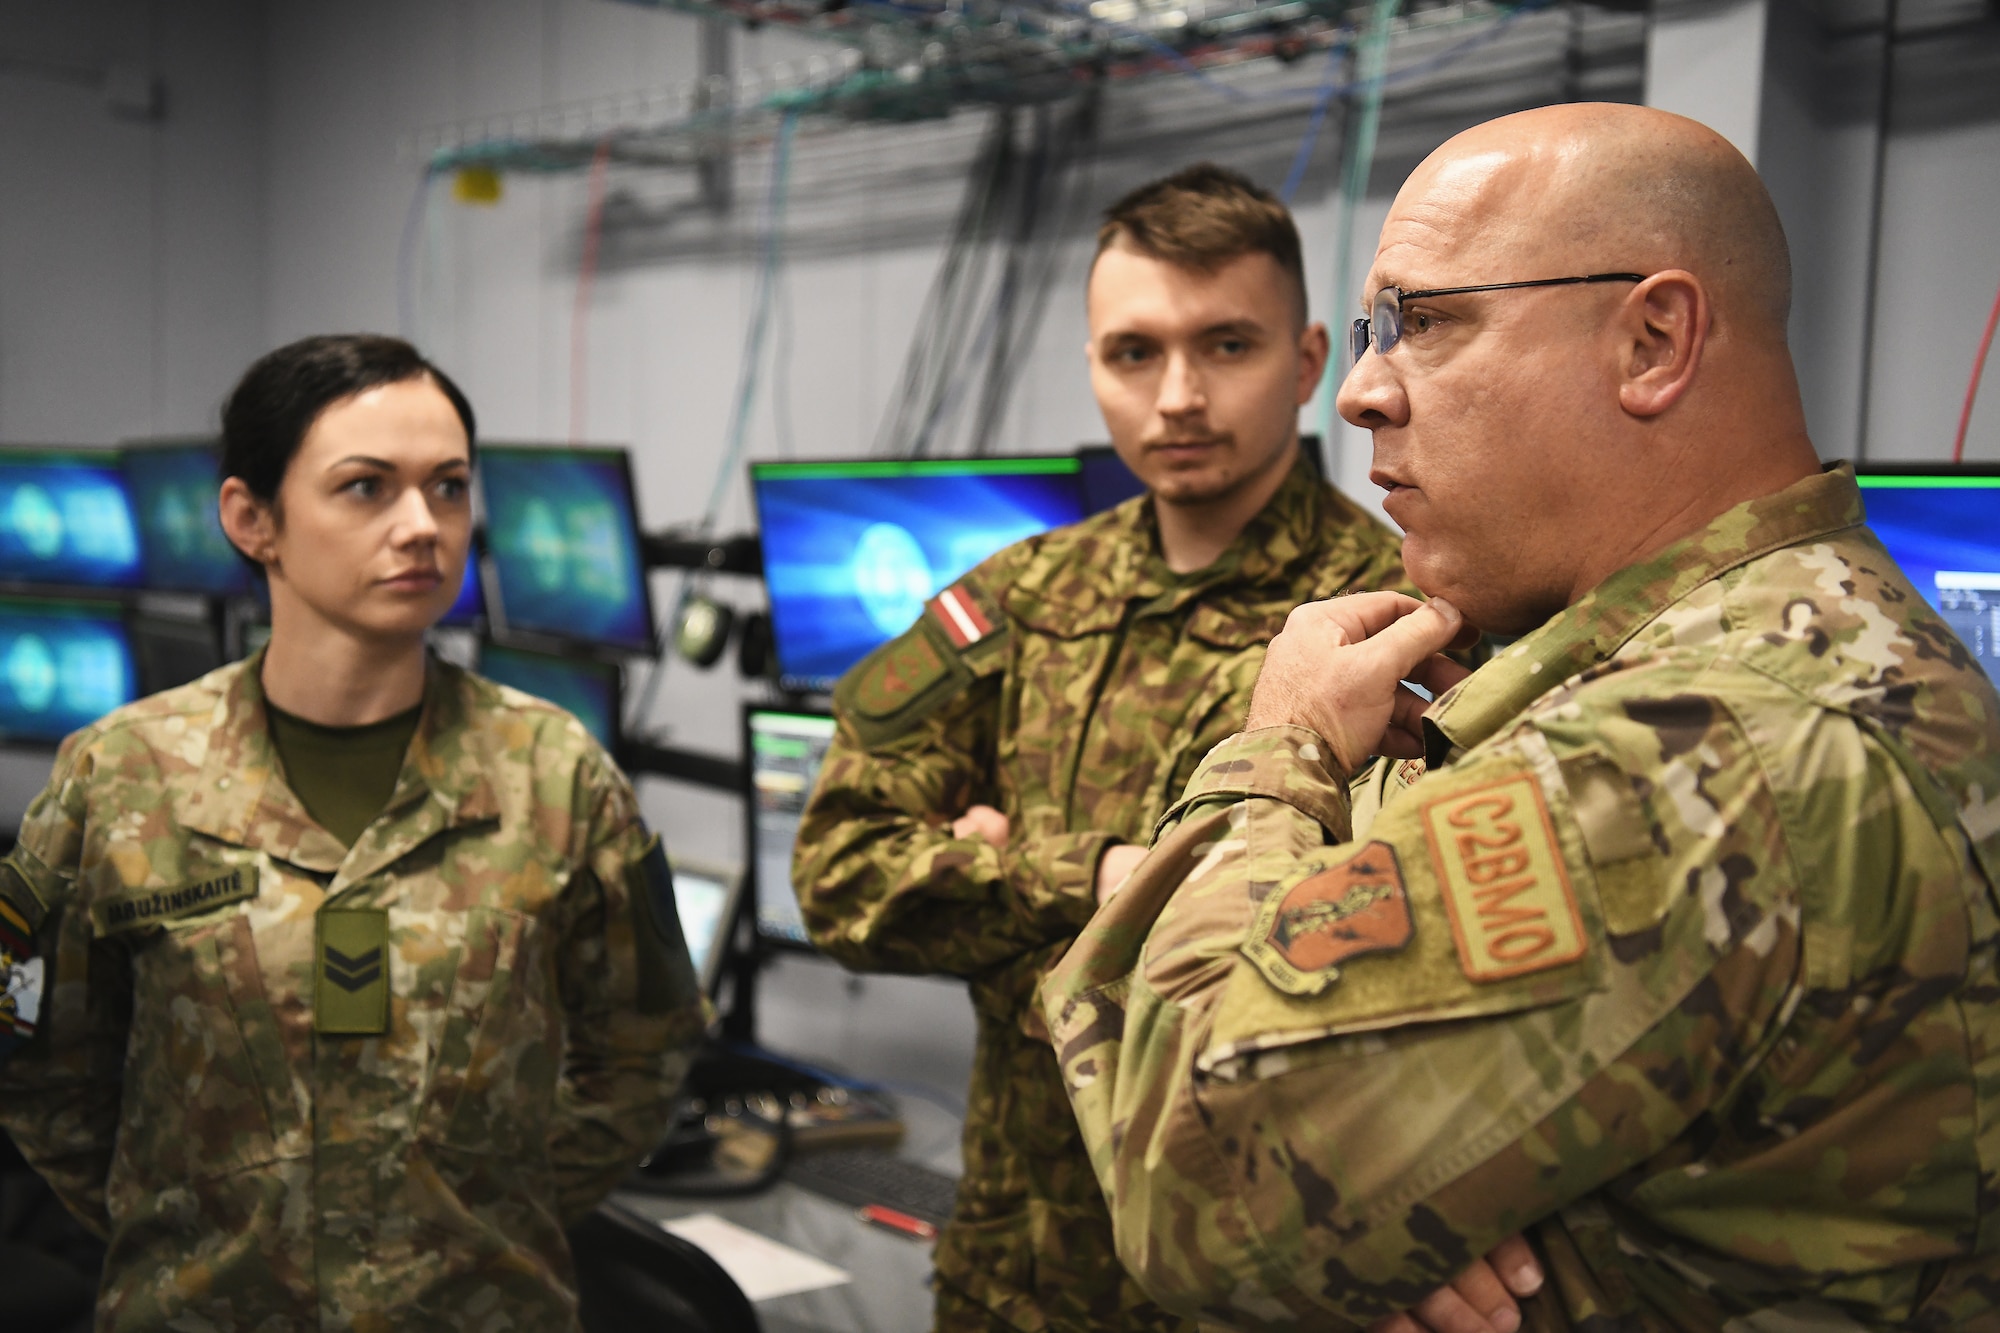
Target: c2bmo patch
1356,907
1503,879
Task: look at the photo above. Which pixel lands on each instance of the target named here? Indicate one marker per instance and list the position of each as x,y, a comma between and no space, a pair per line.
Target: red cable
586,277
1972,389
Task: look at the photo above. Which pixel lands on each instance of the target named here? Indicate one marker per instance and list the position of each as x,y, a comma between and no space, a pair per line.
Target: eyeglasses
1384,325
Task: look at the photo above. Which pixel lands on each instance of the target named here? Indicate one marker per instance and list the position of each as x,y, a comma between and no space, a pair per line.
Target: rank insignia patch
351,997
1358,907
1504,883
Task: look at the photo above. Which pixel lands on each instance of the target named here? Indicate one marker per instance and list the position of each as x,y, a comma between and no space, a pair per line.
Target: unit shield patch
1503,880
1357,907
21,976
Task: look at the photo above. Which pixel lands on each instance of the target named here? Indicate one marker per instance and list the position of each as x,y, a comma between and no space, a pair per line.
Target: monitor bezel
113,609
733,882
995,465
1940,470
496,604
752,888
613,670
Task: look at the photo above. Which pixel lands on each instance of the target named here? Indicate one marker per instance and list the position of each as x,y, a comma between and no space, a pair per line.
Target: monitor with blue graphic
590,690
65,519
63,665
853,550
562,532
469,607
173,486
1942,524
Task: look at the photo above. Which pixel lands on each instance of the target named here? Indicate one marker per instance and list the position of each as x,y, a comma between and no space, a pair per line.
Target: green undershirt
342,775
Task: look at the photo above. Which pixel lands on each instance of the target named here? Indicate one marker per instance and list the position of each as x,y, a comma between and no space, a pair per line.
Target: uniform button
222,784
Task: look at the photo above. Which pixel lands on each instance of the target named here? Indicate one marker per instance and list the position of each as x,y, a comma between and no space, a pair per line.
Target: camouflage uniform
1681,956
1072,681
533,1009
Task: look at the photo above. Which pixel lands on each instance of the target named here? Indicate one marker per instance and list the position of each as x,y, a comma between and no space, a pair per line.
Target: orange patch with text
1503,878
1357,907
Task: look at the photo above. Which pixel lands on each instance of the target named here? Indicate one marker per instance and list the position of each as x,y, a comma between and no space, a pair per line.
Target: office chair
632,1275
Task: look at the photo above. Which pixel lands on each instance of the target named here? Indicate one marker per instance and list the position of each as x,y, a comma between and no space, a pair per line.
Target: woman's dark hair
282,394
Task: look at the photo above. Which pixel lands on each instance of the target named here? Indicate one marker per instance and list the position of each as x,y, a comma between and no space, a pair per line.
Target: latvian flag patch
960,616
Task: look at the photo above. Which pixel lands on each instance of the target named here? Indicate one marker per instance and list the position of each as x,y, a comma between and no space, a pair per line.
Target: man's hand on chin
1338,670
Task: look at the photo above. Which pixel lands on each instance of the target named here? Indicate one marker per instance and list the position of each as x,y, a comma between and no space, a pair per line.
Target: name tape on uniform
1512,908
1354,908
112,916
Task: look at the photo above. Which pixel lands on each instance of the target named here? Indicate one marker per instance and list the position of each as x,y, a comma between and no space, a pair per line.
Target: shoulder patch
20,978
1302,934
904,669
1502,877
962,614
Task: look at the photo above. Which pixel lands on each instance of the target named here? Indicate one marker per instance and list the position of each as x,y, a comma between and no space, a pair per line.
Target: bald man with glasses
1668,937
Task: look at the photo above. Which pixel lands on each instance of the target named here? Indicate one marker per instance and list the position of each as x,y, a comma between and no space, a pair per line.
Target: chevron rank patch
1503,879
351,973
1357,907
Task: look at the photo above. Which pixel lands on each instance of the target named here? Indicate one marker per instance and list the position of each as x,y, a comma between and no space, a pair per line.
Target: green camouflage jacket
1073,682
298,1085
1681,956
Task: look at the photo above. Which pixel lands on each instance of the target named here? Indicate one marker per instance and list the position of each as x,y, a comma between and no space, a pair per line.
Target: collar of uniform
444,782
1105,564
239,797
1605,618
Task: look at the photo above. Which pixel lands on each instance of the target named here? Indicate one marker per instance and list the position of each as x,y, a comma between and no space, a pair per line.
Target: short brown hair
1203,216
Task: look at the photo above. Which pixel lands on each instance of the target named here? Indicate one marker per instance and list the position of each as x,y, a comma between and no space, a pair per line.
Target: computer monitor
468,609
1942,525
65,519
63,665
782,751
590,690
171,651
706,898
173,487
853,550
563,535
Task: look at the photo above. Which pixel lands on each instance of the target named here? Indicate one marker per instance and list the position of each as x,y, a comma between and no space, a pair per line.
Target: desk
908,1031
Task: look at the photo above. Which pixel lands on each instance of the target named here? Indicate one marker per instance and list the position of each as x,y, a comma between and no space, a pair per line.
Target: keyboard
862,1176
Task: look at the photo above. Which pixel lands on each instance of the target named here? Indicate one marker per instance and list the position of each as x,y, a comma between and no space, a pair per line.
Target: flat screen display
173,489
65,518
705,901
469,607
563,535
589,690
63,665
784,751
853,550
1942,525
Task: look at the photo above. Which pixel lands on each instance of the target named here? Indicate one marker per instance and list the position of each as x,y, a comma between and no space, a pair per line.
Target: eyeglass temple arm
1402,296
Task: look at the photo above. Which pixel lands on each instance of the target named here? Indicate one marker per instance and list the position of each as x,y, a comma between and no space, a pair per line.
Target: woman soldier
367,978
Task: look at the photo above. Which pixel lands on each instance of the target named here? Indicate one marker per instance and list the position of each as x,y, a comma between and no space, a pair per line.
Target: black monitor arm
741,554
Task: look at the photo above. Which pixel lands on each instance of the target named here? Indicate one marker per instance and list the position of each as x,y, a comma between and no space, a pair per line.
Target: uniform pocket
493,1074
204,1068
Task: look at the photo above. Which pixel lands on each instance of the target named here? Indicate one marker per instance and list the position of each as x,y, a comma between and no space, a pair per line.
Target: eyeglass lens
1383,328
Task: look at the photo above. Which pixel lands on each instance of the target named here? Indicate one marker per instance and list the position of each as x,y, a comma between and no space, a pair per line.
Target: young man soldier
1000,766
1679,949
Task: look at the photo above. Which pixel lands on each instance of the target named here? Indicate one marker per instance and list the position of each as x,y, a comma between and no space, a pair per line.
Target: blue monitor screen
65,519
1943,528
173,490
852,551
587,689
63,665
563,537
469,607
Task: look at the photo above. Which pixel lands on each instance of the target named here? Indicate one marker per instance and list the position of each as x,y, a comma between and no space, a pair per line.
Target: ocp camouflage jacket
1073,682
1681,952
204,1089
